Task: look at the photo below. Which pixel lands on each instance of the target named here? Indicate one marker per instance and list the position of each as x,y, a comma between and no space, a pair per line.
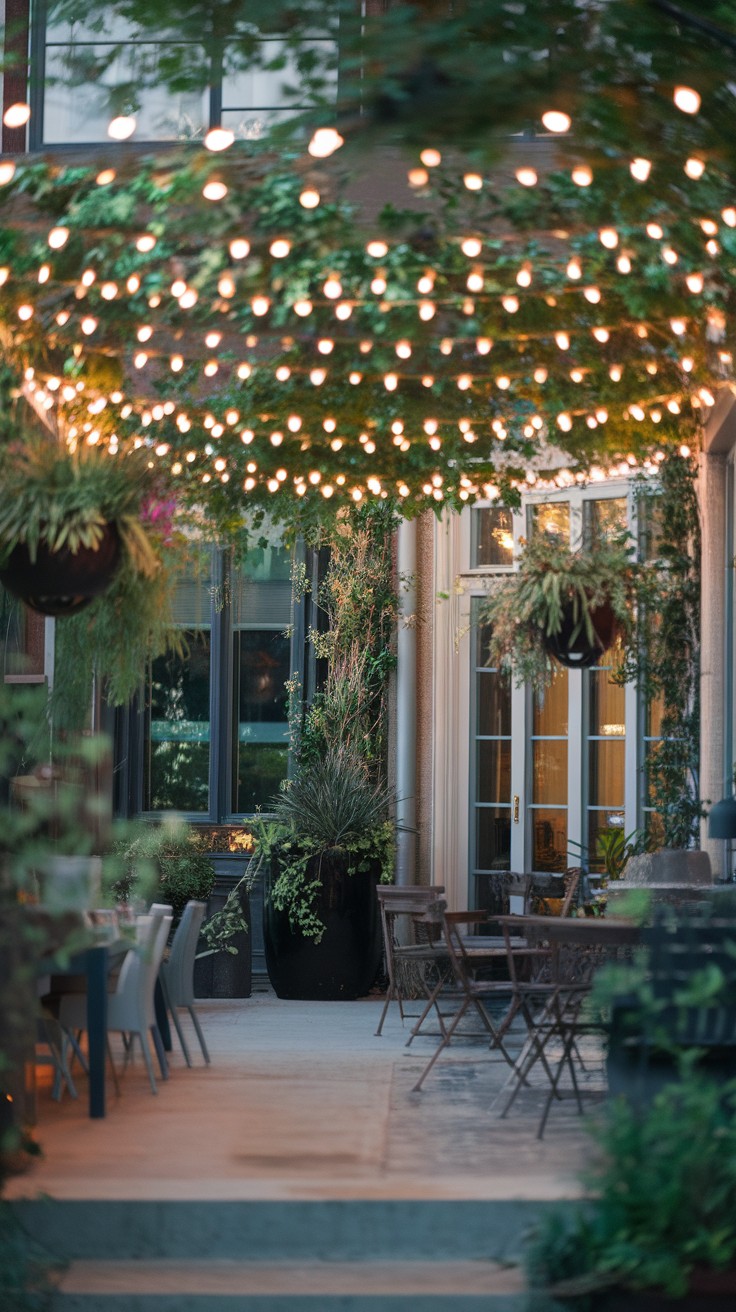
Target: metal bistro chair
472,959
415,953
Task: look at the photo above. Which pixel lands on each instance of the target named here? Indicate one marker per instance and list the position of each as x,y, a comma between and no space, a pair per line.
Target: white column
406,704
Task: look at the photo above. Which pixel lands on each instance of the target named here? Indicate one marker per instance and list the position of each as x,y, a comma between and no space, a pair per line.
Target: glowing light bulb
332,288
25,312
601,334
133,283
431,158
694,167
7,172
471,247
474,282
188,299
16,116
687,100
592,294
640,168
623,264
540,375
146,242
122,127
176,363
729,216
555,120
88,325
582,176
574,270
527,177
417,177
427,310
57,238
104,178
310,198
324,142
510,304
563,341
219,139
473,181
377,249
524,277
694,282
608,237
260,305
564,421
483,345
615,373
214,190
280,248
302,308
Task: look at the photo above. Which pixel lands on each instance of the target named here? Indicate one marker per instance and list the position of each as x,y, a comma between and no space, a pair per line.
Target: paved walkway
302,1101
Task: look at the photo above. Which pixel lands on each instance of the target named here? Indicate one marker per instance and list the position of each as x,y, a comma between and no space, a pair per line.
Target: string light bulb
324,142
219,139
640,168
555,120
121,127
686,99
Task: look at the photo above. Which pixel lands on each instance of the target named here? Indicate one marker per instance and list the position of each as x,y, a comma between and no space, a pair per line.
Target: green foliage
177,855
614,847
332,806
527,607
665,662
359,603
665,1201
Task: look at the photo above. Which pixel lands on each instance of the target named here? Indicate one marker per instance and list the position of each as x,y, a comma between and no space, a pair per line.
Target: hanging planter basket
571,646
62,582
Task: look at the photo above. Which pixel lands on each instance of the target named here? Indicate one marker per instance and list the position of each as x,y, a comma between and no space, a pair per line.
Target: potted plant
660,1229
561,606
87,535
229,943
327,845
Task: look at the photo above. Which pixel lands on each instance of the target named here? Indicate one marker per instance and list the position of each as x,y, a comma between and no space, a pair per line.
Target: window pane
606,773
260,737
549,840
177,747
549,763
550,709
604,518
82,113
494,771
494,705
493,838
552,518
601,822
606,706
492,538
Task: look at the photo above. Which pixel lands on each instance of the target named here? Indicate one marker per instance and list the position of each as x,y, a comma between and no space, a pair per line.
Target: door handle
516,808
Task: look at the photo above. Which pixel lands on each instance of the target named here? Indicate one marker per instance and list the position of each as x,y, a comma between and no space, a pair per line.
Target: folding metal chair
472,958
416,957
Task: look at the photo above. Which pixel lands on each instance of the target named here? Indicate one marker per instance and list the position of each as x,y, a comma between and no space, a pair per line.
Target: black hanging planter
344,964
62,582
578,652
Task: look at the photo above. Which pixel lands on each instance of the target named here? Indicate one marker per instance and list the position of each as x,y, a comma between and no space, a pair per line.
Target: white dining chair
177,975
130,1009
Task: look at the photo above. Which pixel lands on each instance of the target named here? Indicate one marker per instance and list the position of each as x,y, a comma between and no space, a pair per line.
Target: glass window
552,518
492,538
603,518
252,100
215,740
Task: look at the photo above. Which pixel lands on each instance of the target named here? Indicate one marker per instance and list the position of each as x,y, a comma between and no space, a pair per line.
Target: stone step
272,1231
288,1286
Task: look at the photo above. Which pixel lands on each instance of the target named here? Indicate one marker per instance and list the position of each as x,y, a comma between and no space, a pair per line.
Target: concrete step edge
360,1230
207,1277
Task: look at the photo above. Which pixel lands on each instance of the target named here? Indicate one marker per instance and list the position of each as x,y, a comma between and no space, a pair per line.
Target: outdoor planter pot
62,582
578,652
344,963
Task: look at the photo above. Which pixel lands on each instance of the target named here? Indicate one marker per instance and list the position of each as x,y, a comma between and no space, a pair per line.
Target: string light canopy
233,315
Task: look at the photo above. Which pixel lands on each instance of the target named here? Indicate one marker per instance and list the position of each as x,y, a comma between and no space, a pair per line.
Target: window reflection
492,538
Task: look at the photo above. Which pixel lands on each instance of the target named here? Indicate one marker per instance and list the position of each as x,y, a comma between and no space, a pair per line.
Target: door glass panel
493,838
491,758
550,710
607,701
492,538
494,771
606,779
549,763
549,840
